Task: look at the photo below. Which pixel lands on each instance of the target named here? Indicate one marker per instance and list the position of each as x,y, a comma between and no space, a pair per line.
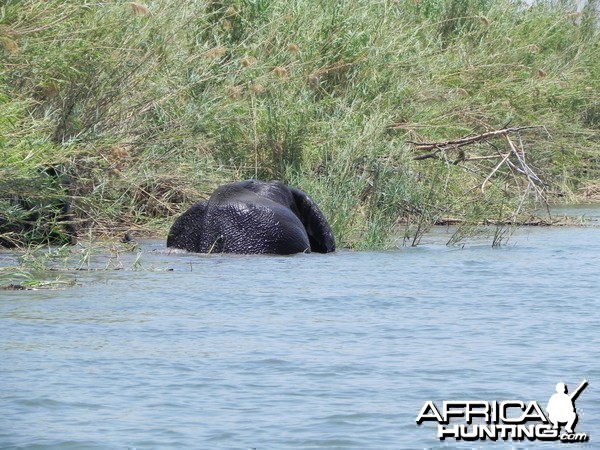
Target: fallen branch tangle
513,159
447,145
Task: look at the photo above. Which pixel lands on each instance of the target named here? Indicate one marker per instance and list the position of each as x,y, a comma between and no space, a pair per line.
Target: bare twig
491,174
513,159
532,178
428,155
480,158
456,143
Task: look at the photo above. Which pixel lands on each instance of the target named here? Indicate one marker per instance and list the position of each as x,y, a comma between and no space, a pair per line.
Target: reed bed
148,106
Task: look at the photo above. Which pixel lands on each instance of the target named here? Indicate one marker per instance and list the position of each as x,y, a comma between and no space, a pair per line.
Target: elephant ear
318,230
186,232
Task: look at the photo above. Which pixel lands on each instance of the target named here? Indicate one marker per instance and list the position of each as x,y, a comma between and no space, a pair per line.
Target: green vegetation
150,106
38,267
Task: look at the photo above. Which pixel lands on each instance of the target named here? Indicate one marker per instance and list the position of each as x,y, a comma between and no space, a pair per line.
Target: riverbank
148,107
70,266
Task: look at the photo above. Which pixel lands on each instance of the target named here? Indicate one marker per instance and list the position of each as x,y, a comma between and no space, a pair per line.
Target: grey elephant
253,217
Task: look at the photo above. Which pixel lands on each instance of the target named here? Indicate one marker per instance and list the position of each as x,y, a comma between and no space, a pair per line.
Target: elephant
36,209
253,217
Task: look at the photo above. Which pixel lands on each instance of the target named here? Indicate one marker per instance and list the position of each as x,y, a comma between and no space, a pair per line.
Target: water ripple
308,352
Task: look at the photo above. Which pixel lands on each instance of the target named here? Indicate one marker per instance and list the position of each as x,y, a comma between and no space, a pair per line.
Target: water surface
308,351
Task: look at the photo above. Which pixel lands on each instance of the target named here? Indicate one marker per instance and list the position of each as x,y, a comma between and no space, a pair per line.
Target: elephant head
252,217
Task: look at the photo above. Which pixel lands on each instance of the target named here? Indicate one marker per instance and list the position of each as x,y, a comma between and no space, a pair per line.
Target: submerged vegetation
149,106
38,267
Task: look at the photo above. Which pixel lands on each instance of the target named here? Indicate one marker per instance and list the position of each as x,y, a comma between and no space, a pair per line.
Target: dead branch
533,180
456,143
481,158
494,170
513,158
428,155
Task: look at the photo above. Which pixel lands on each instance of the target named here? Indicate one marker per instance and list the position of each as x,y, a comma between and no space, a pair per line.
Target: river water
305,352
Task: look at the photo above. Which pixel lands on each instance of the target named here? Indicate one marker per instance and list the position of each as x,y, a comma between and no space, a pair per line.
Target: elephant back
254,225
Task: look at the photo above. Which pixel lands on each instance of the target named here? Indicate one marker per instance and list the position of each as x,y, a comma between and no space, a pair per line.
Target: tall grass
151,105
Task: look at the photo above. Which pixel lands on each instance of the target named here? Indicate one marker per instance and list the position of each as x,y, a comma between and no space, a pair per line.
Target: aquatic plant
43,267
